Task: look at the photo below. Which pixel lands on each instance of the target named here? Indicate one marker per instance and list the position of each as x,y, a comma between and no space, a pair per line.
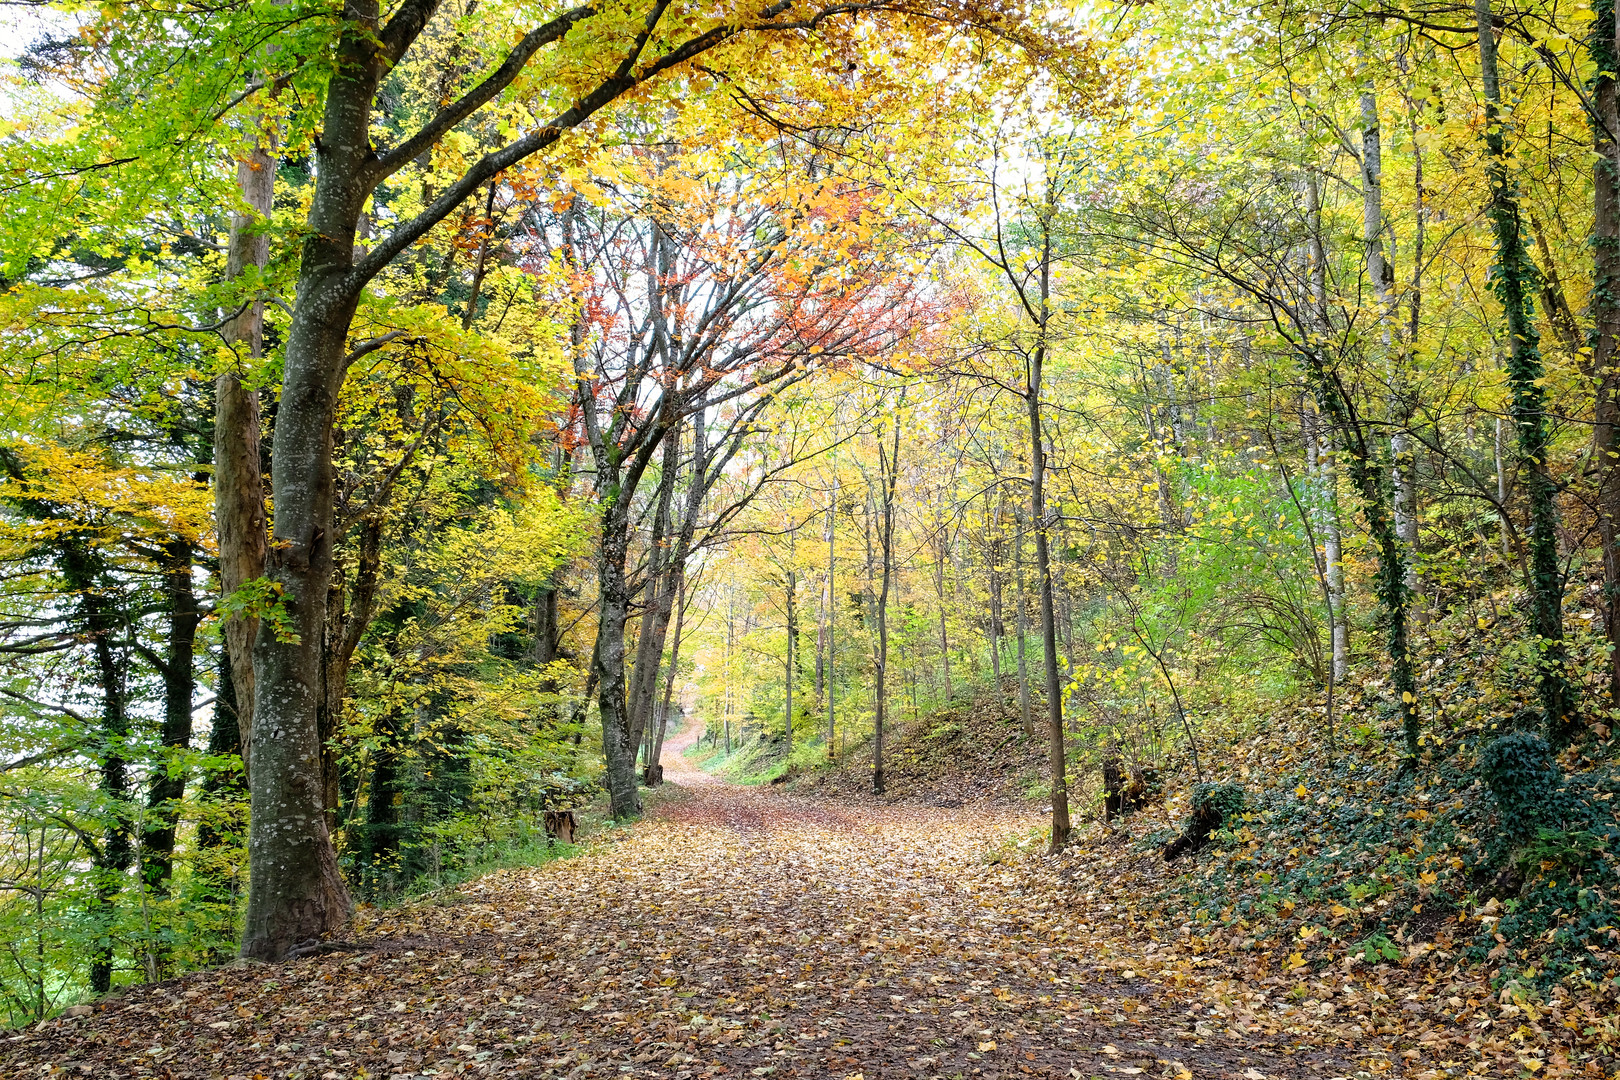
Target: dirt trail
735,933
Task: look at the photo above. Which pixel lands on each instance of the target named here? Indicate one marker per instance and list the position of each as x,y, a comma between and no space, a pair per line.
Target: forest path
735,933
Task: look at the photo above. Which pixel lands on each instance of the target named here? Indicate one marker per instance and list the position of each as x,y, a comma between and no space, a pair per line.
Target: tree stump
560,825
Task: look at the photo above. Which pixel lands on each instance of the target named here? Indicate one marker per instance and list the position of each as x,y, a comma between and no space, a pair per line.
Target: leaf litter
752,933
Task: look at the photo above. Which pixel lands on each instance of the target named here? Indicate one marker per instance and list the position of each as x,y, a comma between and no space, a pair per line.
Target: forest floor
751,933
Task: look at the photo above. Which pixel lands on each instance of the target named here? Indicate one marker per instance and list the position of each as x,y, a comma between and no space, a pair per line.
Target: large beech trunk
295,891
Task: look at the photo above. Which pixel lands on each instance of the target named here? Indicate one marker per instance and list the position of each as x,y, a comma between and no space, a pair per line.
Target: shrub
1523,778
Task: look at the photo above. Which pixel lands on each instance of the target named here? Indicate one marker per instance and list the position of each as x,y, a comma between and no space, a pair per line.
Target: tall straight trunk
1373,485
1504,487
179,689
547,648
82,573
832,622
792,635
1605,315
1043,570
731,653
1316,509
1514,283
619,742
659,592
889,474
994,556
1023,631
1382,276
660,595
944,635
1321,438
655,763
821,640
1036,361
239,512
1325,512
296,891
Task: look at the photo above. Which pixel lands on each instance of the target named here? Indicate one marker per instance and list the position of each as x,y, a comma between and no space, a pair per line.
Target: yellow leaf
1302,791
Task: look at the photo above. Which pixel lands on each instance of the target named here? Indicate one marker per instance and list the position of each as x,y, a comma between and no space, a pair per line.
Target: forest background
407,416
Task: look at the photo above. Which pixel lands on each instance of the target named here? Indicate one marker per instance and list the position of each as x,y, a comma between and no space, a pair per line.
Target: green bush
1523,778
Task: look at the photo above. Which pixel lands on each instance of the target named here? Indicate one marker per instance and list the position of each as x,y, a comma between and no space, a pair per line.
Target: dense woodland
412,415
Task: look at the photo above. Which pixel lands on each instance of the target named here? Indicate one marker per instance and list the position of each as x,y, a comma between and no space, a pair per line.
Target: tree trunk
1514,282
82,573
1043,570
619,742
179,687
994,556
547,629
832,621
1023,632
889,475
1321,437
659,593
1372,484
1379,272
792,634
1605,314
295,889
239,513
939,592
655,764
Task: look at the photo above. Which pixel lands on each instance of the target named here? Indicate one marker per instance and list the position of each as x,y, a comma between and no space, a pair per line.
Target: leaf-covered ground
745,933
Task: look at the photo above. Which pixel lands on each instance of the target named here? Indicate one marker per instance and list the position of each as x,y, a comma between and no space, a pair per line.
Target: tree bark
1023,632
1321,437
179,688
1380,273
1043,570
1514,283
659,593
832,621
239,512
1605,315
993,554
889,476
82,572
295,890
792,635
939,593
655,763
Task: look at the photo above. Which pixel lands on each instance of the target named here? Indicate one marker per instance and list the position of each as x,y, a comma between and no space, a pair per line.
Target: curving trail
735,933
